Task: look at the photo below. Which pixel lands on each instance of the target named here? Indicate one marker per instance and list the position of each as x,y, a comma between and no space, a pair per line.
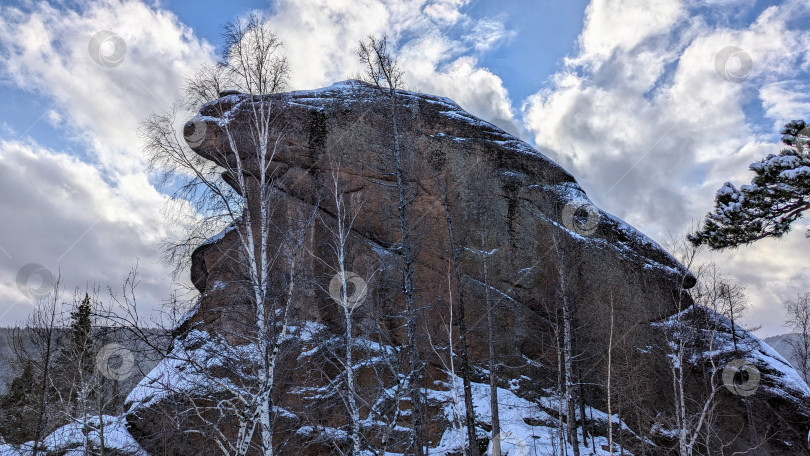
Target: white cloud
321,37
47,51
93,220
612,25
475,89
66,215
446,11
785,100
487,33
643,120
53,118
773,271
639,115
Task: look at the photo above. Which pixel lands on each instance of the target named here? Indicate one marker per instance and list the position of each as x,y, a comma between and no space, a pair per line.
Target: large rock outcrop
542,241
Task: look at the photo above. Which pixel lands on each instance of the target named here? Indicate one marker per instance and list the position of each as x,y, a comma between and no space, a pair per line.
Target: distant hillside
145,357
781,344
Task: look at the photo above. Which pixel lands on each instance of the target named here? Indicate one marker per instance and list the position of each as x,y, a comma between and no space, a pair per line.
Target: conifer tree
18,408
81,327
777,196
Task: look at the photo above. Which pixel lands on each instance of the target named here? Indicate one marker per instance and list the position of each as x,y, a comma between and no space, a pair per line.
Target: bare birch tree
237,188
692,336
348,289
483,252
469,410
38,343
798,320
567,309
382,70
610,377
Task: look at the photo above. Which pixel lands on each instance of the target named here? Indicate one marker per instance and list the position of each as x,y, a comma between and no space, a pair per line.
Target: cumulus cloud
65,215
651,129
785,99
773,271
48,51
623,25
474,88
639,114
321,38
94,219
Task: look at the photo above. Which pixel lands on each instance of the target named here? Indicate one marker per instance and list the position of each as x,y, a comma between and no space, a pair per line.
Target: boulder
526,236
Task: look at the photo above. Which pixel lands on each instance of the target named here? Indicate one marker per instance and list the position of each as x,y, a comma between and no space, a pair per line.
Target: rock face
767,390
512,210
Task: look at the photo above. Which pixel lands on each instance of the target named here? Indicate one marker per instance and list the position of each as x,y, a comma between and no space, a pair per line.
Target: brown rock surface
494,181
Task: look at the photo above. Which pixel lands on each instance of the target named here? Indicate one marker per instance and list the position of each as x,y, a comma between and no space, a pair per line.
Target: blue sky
625,94
544,33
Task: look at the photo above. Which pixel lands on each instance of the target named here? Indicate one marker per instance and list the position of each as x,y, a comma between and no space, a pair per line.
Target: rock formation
510,208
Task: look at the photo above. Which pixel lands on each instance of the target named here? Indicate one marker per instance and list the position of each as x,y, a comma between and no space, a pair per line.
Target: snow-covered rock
83,437
543,239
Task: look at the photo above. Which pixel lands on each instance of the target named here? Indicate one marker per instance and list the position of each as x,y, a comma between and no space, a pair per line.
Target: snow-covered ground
73,438
526,427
